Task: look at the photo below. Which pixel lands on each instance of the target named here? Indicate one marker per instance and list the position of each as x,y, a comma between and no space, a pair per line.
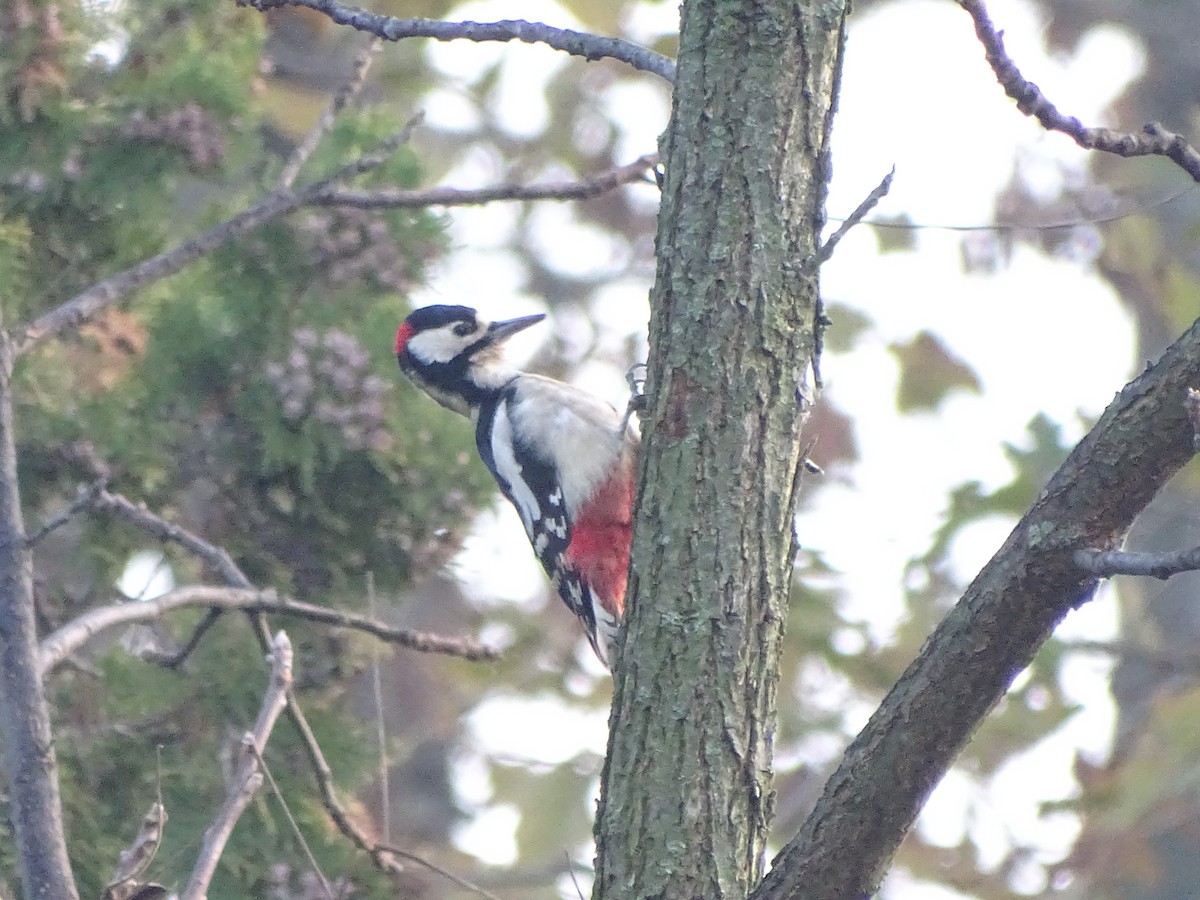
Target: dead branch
304,150
1152,140
577,43
248,778
137,514
58,646
138,855
583,189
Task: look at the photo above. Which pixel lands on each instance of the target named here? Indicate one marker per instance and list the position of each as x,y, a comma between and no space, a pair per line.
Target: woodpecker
562,457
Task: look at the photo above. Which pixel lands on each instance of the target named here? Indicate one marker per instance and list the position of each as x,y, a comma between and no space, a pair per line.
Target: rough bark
35,805
1008,611
687,797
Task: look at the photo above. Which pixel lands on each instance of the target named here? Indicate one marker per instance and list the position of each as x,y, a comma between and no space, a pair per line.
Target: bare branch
1008,611
576,43
385,788
445,873
860,212
85,496
345,94
583,189
1153,140
139,515
293,824
217,557
118,287
247,780
70,637
1106,563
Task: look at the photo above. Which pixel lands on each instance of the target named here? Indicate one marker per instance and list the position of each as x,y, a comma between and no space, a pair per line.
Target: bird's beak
499,332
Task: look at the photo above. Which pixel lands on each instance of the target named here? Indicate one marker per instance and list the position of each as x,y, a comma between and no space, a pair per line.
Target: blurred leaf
928,372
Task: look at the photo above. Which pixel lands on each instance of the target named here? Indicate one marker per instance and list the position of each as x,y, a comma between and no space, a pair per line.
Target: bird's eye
462,329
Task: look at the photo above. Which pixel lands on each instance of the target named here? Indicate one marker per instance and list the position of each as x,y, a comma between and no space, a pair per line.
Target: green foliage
253,398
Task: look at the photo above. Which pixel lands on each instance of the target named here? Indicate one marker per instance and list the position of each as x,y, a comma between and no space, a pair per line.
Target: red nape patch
403,333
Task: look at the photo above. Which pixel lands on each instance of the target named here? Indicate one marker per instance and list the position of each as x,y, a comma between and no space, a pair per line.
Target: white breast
577,433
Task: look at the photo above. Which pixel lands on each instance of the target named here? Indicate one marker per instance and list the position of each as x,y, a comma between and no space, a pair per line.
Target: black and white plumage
562,457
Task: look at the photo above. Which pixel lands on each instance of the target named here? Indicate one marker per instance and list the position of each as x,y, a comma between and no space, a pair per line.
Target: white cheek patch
440,345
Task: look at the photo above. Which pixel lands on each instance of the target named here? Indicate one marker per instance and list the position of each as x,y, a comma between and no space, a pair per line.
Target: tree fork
686,798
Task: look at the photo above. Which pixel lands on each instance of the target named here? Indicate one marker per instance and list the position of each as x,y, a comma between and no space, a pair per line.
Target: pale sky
955,140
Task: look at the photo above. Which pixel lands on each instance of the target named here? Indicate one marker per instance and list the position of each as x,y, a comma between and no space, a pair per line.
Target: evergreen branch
582,189
60,644
248,778
576,43
119,287
1106,563
1152,140
304,150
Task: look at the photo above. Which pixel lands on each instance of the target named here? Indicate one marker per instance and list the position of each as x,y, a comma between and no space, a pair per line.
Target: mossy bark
687,796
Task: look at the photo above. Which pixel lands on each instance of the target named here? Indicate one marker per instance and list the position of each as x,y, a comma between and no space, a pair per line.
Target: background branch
993,632
577,43
583,189
70,637
1153,140
248,777
305,149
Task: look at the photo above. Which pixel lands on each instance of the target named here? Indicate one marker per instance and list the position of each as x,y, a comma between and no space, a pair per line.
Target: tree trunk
687,798
36,808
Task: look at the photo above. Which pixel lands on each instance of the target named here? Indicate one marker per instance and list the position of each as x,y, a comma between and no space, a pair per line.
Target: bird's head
454,354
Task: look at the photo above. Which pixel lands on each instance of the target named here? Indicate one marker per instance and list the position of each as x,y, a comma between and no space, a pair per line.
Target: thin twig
247,780
576,43
1152,140
292,823
85,496
385,792
860,212
304,150
187,648
269,602
1106,563
70,637
434,867
582,189
137,514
